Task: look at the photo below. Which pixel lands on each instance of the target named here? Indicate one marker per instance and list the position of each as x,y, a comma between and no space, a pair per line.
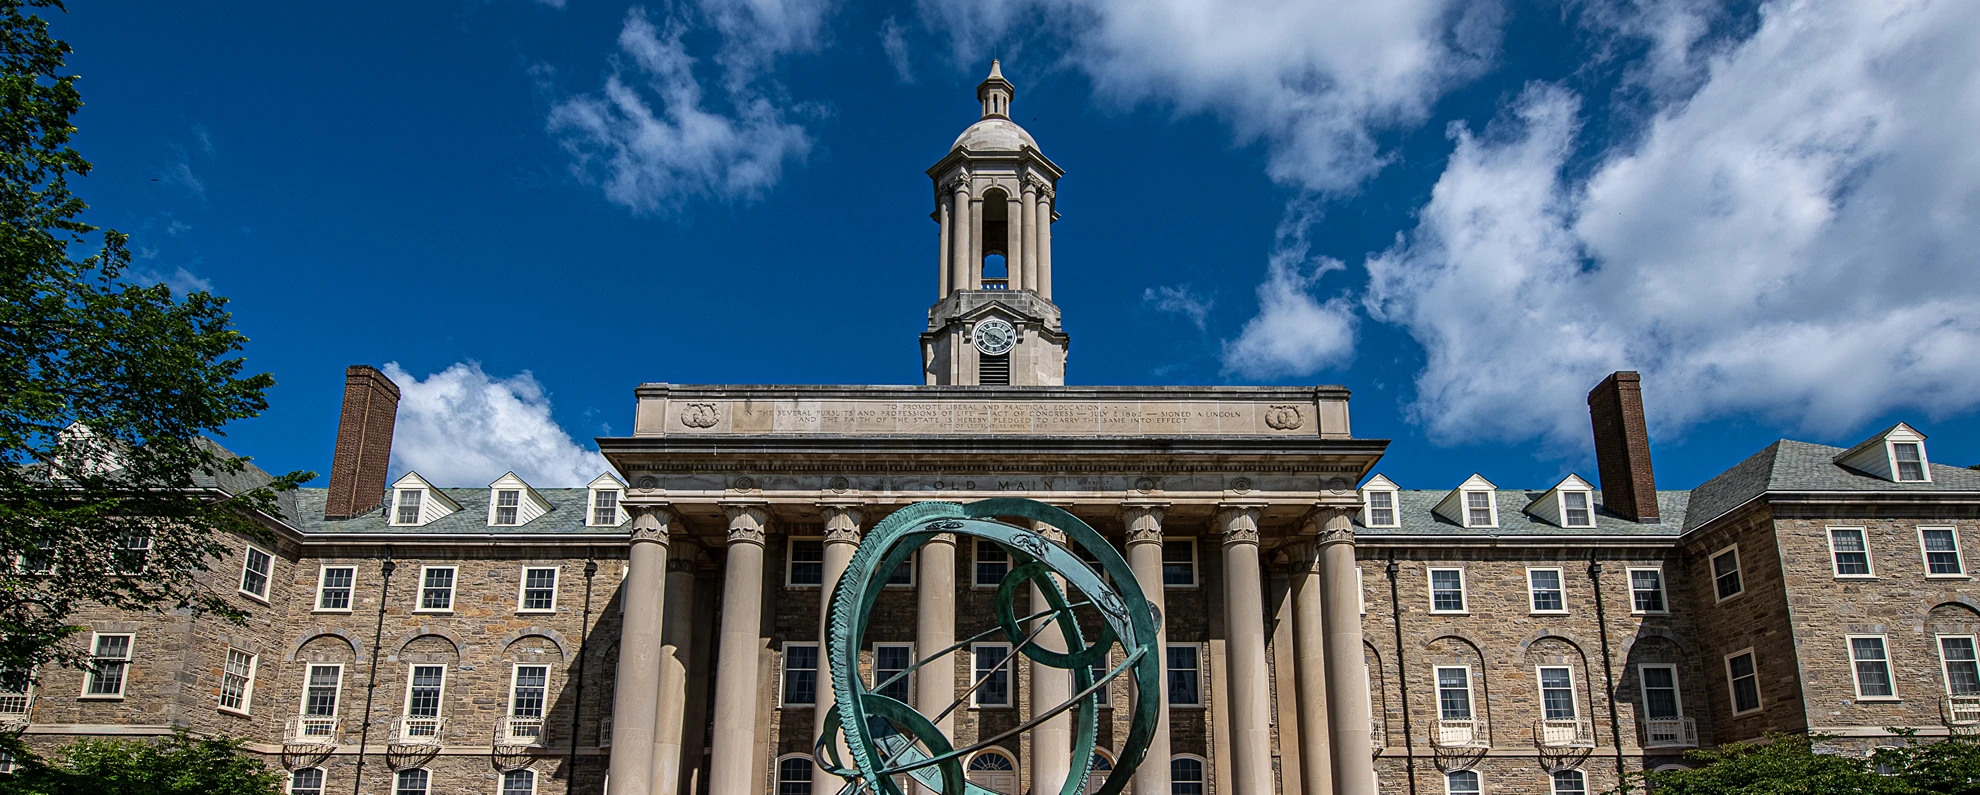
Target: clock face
995,337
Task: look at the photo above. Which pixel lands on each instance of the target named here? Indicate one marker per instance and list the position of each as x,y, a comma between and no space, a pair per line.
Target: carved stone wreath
1284,418
699,415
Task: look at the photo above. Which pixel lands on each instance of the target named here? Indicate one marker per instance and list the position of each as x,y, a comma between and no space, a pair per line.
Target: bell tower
993,322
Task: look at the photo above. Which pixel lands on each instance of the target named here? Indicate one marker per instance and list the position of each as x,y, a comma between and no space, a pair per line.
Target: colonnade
1333,703
1028,232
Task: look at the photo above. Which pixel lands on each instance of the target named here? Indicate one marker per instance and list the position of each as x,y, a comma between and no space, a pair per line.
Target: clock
995,337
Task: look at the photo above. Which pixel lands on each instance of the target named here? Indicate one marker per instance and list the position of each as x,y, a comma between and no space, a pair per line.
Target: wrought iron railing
311,730
1670,733
521,731
1563,733
418,731
605,732
1465,733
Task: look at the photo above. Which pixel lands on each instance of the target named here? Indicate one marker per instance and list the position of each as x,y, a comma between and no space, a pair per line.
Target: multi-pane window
605,507
1941,552
992,563
519,782
412,782
1446,590
133,552
14,686
1962,666
807,562
1743,678
1871,663
320,694
903,575
1570,782
1557,693
1478,509
436,588
1454,693
1725,573
1381,509
408,511
255,570
110,660
1575,511
1646,590
1660,691
993,670
1185,776
794,776
1185,675
423,691
1461,782
307,781
1850,553
1544,588
39,561
333,587
800,674
527,693
1910,461
1179,562
507,502
993,771
539,589
889,661
237,681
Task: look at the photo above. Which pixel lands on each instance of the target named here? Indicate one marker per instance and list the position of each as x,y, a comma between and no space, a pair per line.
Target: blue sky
1465,211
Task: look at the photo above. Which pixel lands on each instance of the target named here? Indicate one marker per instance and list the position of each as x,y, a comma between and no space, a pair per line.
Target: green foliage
1947,768
1787,764
175,765
109,392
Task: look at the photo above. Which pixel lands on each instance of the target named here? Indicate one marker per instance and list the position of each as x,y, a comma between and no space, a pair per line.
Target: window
1179,563
1478,509
407,511
794,775
133,552
110,657
412,782
1097,769
506,503
1447,590
1570,782
1962,667
992,770
254,573
903,575
40,561
1557,693
605,508
1381,509
1743,678
1941,547
333,588
237,682
1544,588
1849,552
307,781
806,566
1725,573
992,563
519,782
1871,663
1101,667
1646,591
15,684
1454,693
1185,675
1575,511
423,691
1461,782
800,674
1185,776
1910,460
891,660
436,589
539,590
993,671
1660,692
320,694
528,687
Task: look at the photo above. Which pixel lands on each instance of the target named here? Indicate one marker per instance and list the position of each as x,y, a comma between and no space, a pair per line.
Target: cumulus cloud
462,427
1293,332
1793,240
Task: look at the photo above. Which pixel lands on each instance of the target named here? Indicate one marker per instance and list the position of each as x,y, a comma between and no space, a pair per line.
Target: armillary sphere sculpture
886,737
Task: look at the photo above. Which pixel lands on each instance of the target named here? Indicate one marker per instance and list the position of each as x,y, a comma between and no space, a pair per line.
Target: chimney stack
1622,446
364,443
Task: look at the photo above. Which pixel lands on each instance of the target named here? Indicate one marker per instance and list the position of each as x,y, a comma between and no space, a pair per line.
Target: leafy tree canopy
175,765
1785,764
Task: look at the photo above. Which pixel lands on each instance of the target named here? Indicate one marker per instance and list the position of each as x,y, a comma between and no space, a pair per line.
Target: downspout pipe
1402,673
1608,667
371,676
577,711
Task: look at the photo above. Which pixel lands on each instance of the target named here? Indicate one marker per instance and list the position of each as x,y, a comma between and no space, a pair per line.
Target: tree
1781,764
111,491
175,765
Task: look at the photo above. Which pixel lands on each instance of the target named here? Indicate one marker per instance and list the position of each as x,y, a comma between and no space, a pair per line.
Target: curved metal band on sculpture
1127,618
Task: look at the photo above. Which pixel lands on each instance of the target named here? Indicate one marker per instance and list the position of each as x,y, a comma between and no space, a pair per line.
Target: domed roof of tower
995,132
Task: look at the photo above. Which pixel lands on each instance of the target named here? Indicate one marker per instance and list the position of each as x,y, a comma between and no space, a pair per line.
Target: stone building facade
1326,630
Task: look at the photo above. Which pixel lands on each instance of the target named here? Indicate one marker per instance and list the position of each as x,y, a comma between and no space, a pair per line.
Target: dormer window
1378,503
1575,511
407,507
1478,509
1897,455
1570,503
511,502
416,503
606,507
1908,459
506,503
1473,504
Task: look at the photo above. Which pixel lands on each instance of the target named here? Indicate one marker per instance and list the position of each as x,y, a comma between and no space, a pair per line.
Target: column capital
747,522
1238,524
1329,524
1052,534
652,522
1144,522
842,522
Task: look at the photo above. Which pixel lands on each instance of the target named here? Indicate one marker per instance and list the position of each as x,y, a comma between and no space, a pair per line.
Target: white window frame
350,601
1540,690
502,783
1203,771
440,702
1471,770
515,680
618,507
1368,507
522,589
1531,591
267,577
784,670
123,679
247,687
1643,687
426,785
1560,502
1464,592
777,771
1739,572
1361,590
1202,682
1732,687
1945,665
910,566
1195,563
1925,556
876,680
1553,784
1835,563
1924,463
1856,680
495,507
1010,677
1491,506
1470,693
322,776
336,704
790,562
398,503
125,545
975,552
419,603
1663,593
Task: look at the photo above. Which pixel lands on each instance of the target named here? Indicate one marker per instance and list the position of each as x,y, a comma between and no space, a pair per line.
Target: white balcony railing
1458,734
1961,710
605,732
418,731
1670,733
521,731
311,730
1563,733
1378,734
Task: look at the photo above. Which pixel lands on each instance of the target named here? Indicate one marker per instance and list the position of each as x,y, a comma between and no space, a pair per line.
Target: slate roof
566,515
1414,512
1789,465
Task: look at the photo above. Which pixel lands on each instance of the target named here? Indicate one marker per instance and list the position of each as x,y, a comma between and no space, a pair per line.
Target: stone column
961,224
935,630
943,249
676,644
1014,225
1030,218
974,268
1347,672
1044,227
1144,554
638,678
1051,741
730,770
1248,692
841,540
1309,644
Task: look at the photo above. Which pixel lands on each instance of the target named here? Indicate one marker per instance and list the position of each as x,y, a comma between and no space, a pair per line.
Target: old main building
1327,630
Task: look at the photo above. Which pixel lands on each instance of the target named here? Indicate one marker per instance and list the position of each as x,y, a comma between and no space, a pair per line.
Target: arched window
1570,782
994,771
1185,776
519,782
307,781
413,782
1097,771
794,775
1461,782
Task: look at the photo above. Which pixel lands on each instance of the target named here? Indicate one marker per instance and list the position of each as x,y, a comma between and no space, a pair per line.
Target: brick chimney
1622,446
364,443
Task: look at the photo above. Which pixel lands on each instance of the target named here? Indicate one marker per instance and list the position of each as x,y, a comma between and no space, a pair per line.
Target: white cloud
181,281
1293,333
461,427
1794,240
893,41
1181,300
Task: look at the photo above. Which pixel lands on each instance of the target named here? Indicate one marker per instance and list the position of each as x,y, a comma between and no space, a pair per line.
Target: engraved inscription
1054,418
